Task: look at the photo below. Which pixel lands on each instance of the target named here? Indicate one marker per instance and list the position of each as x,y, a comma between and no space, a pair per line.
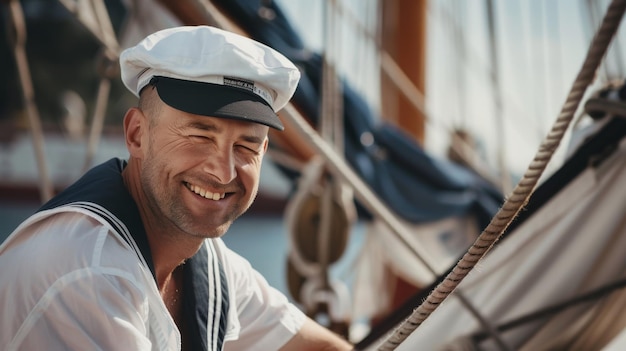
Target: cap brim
216,100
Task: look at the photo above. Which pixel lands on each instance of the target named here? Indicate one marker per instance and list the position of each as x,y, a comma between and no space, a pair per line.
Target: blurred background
462,91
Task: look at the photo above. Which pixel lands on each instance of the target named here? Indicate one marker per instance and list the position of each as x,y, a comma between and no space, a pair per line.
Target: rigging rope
415,97
593,295
523,190
16,19
505,177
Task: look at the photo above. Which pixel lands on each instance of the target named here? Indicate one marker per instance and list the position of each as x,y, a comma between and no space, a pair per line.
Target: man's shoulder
65,248
67,238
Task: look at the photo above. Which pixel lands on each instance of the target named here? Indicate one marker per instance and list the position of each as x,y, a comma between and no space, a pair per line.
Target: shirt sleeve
87,310
64,293
266,317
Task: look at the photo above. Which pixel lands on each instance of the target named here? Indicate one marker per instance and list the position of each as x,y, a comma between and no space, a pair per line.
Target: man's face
200,173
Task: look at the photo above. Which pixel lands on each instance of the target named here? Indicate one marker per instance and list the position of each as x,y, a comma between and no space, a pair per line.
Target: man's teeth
206,194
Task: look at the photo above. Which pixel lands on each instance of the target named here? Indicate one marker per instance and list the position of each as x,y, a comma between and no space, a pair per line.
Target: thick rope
523,190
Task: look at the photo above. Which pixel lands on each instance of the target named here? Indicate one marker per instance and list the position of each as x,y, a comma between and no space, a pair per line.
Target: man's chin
199,225
211,231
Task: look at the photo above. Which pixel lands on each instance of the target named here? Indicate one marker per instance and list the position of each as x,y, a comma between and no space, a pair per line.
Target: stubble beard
168,209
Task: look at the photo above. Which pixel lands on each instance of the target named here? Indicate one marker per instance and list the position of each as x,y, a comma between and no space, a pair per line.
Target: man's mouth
205,193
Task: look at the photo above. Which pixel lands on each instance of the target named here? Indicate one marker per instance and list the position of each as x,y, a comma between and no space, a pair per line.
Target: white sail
573,244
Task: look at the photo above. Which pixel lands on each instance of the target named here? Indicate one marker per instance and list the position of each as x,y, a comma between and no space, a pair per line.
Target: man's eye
200,137
248,149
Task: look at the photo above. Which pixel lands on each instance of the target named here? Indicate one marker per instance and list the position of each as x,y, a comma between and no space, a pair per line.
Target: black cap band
215,100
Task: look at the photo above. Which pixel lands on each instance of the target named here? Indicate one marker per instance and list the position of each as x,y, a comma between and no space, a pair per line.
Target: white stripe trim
215,296
121,227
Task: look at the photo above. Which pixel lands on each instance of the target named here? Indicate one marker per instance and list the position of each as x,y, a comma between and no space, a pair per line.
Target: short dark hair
150,104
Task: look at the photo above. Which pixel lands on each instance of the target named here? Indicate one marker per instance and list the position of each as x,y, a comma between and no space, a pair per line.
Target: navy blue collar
104,185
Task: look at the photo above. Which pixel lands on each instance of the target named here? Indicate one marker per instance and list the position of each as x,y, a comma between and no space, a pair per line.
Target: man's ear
135,125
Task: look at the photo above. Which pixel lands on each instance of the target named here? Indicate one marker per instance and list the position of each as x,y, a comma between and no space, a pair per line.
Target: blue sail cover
416,186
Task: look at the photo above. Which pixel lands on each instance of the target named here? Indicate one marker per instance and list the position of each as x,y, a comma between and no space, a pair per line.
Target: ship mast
403,37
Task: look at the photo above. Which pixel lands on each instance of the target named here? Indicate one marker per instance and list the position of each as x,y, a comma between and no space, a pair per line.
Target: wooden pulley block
295,281
307,229
305,236
308,218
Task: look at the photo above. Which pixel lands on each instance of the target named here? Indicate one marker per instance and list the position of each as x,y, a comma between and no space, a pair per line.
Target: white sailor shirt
77,276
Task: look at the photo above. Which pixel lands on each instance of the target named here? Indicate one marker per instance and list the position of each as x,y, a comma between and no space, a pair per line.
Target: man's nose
221,165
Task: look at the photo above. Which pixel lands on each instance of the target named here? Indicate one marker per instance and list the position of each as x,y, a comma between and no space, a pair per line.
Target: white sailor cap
208,71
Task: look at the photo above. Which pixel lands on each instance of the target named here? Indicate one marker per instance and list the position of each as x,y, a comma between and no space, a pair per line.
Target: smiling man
130,257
